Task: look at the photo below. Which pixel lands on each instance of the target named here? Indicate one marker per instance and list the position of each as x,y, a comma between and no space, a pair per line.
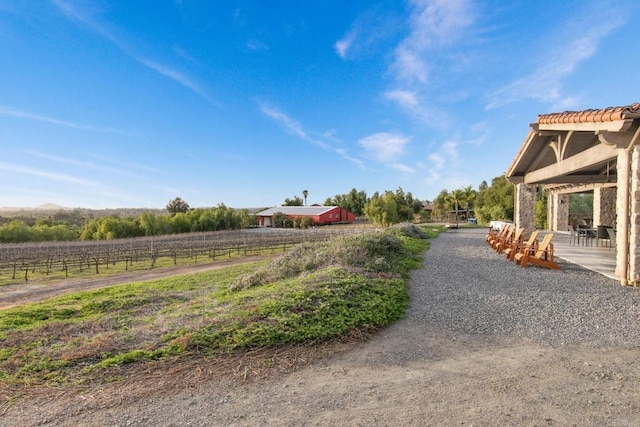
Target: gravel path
466,287
484,342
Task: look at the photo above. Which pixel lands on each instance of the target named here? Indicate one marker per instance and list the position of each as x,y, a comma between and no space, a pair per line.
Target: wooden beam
580,179
569,189
583,160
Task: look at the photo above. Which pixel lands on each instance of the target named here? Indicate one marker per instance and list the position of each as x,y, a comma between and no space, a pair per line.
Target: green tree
149,224
404,205
278,219
456,198
177,205
469,196
441,205
581,204
382,210
296,201
496,201
180,223
305,193
354,201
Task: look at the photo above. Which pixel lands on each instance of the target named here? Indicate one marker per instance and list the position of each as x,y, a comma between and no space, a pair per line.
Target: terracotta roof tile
608,114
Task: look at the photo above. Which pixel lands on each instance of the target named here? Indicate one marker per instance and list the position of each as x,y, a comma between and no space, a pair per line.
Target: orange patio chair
505,237
543,255
530,245
513,238
492,234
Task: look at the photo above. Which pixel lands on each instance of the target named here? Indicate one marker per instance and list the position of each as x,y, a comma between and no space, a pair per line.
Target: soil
407,374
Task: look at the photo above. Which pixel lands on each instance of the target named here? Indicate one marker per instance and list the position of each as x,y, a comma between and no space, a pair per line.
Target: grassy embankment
314,292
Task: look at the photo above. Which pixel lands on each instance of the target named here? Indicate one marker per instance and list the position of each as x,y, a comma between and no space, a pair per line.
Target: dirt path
413,376
23,293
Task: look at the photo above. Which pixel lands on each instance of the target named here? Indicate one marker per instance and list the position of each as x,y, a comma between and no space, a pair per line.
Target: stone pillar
634,219
622,215
525,207
558,212
604,206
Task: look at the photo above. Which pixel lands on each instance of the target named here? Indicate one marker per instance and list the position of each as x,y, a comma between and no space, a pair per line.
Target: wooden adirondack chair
530,245
505,237
494,234
503,231
543,255
514,238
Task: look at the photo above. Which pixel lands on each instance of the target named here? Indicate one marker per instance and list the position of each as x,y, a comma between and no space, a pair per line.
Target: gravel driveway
466,287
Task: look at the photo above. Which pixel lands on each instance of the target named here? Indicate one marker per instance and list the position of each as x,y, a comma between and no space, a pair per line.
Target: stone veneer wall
604,206
558,212
525,206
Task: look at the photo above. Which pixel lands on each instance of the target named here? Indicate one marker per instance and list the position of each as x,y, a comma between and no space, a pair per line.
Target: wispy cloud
12,112
367,33
405,98
174,75
345,155
444,158
257,45
79,163
290,125
343,45
44,174
402,168
294,128
582,37
86,17
433,24
384,147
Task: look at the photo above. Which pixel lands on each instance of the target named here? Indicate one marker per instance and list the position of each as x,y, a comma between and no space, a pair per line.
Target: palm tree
469,196
456,197
305,193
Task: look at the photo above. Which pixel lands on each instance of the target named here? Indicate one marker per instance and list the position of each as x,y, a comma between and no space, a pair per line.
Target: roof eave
510,174
613,126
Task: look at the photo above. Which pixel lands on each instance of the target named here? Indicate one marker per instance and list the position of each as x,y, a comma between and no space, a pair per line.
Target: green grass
312,293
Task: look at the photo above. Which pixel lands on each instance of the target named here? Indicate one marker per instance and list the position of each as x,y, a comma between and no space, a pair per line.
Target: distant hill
26,210
51,207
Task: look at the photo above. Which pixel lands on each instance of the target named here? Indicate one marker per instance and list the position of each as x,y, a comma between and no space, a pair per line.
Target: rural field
481,342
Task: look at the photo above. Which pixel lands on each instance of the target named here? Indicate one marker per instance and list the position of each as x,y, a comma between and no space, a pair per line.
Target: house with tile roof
320,215
595,151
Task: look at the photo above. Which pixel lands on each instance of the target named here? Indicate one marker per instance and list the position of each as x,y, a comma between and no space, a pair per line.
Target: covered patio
585,151
598,258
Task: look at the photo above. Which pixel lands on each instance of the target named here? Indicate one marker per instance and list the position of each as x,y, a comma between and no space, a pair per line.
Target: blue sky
107,104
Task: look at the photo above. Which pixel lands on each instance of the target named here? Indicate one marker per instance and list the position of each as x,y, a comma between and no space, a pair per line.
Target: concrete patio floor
600,259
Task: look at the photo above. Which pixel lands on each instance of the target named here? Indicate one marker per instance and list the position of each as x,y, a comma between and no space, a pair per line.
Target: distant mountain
51,207
45,207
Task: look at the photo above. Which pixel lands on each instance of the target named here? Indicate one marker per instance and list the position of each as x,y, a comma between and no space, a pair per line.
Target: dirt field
410,374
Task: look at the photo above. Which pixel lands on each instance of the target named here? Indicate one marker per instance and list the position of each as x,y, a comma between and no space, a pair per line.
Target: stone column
634,219
604,206
525,207
622,216
558,212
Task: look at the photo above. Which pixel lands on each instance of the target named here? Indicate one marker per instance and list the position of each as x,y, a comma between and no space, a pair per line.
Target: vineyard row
25,259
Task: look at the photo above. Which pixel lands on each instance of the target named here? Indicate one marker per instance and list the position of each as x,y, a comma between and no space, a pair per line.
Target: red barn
321,215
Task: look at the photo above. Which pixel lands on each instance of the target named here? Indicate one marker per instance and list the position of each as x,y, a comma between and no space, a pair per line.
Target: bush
372,252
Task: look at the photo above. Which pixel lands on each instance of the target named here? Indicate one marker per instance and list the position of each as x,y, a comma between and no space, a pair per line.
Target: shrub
372,252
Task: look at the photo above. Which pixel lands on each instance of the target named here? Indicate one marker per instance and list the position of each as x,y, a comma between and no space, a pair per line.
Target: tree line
181,219
487,203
